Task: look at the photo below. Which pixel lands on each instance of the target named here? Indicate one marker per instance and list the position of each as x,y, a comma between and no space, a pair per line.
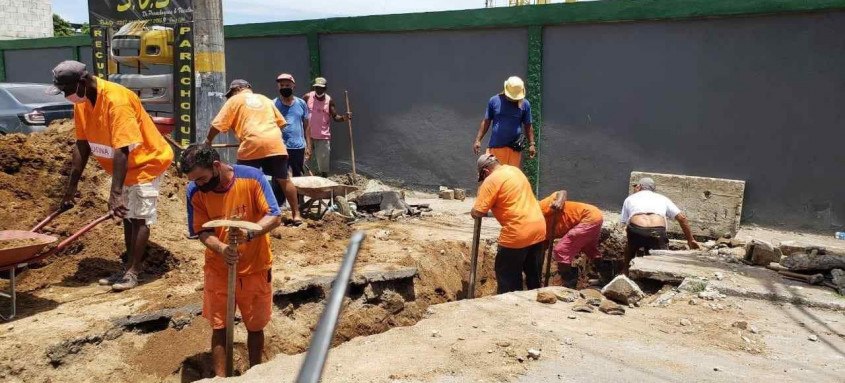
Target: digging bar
548,272
230,289
315,359
476,237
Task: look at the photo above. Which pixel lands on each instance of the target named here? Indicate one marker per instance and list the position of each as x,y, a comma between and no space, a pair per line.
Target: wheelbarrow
318,190
27,248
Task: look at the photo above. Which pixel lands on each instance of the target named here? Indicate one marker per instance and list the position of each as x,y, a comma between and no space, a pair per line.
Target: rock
693,285
760,252
737,243
723,241
460,194
623,290
570,316
813,338
685,322
564,294
446,194
392,301
546,297
753,329
582,306
839,280
716,369
693,302
435,334
710,295
611,308
382,235
719,276
595,302
489,351
567,341
591,294
533,354
503,344
740,325
815,260
664,299
745,339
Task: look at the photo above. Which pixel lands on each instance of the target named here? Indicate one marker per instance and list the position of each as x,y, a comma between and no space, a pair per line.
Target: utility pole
210,66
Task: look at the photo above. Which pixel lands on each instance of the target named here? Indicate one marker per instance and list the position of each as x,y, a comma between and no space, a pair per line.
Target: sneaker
128,281
111,279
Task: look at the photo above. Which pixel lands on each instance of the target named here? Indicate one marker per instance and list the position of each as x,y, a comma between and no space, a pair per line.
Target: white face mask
74,98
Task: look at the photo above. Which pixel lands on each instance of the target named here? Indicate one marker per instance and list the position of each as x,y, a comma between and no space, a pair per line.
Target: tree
62,27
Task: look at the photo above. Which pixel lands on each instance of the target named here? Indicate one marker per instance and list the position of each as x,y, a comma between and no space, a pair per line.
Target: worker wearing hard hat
509,113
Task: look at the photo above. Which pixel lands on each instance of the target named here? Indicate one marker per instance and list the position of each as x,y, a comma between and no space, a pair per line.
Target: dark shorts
511,264
273,166
647,238
296,161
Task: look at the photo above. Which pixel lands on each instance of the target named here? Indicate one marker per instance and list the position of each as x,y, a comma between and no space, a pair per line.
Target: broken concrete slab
761,253
815,260
323,276
740,280
713,205
623,290
162,317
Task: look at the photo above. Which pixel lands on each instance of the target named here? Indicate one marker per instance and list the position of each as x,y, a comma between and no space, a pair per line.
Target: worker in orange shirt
579,227
258,125
507,193
112,125
221,191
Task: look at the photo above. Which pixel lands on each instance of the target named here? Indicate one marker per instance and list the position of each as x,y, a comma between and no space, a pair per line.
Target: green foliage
62,27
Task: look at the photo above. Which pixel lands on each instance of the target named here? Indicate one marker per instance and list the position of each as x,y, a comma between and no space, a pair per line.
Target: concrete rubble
623,290
546,297
611,308
761,253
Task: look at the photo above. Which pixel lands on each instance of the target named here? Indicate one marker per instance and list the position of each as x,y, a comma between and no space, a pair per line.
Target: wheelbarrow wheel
343,206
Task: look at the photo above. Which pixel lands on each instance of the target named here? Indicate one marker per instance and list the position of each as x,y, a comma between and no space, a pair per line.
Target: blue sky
256,11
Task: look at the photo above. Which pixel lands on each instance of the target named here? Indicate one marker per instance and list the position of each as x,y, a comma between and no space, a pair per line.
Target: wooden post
351,142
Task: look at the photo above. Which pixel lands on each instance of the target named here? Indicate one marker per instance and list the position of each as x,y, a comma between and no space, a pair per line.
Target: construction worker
112,125
257,125
579,227
221,191
510,115
295,112
323,111
507,193
645,213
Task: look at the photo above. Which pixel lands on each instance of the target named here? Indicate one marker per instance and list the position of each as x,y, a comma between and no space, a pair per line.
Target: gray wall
34,65
417,99
757,99
260,60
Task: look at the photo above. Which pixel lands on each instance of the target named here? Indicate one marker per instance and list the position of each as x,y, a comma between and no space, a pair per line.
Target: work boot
111,279
568,275
128,281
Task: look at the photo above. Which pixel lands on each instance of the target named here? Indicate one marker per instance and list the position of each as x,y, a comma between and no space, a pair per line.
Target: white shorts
142,200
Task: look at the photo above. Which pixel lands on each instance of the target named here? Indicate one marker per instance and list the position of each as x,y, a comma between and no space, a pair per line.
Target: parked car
26,108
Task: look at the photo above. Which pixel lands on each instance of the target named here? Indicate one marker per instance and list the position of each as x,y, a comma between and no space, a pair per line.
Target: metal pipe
318,350
476,237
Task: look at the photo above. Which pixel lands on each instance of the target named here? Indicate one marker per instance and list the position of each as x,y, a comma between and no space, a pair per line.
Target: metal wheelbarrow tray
318,189
29,250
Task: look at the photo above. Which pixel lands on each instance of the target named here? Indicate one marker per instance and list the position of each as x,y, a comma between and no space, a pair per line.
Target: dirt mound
315,242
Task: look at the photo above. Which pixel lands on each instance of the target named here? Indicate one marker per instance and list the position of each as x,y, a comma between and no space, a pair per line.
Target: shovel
476,237
549,251
230,288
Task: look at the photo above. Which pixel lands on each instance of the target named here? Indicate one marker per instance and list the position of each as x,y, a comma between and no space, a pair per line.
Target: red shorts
583,237
253,297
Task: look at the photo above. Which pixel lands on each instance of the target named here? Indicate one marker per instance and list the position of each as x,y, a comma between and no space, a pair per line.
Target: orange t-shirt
119,120
257,124
250,196
508,193
572,214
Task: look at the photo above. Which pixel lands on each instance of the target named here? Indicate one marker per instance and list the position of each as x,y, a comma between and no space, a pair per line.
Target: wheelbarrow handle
52,216
80,232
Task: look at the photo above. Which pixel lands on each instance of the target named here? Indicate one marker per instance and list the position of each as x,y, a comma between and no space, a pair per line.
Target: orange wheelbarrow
24,247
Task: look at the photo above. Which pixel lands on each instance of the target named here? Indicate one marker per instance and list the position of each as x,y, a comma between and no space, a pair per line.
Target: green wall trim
2,66
46,42
314,56
552,14
534,94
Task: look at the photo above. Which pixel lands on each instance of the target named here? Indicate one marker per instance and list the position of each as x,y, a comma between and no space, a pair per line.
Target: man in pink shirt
322,109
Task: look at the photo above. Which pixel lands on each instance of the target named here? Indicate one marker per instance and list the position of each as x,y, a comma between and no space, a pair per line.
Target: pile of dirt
313,243
33,175
18,242
350,179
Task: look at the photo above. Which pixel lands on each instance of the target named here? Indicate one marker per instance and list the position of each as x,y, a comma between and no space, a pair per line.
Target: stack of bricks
22,19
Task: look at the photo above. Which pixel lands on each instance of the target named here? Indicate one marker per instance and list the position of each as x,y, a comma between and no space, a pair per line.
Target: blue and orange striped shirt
250,197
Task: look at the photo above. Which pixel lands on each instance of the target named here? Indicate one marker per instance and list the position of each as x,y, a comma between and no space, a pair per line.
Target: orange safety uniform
251,198
256,122
119,120
507,156
571,215
508,194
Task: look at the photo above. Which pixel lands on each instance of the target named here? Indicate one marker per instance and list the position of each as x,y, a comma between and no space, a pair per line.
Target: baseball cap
285,76
237,84
646,183
484,161
514,88
320,81
67,72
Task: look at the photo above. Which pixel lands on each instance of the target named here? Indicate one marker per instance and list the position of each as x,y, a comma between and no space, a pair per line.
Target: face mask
286,92
74,98
320,92
211,184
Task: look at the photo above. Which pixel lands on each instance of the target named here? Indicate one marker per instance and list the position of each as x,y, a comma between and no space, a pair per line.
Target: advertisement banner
100,51
115,13
183,84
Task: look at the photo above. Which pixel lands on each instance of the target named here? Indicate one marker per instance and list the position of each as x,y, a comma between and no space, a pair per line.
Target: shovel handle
51,217
230,314
81,231
476,238
551,234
